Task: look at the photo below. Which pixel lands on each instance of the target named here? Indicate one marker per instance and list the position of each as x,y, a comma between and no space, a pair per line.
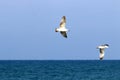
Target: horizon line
54,59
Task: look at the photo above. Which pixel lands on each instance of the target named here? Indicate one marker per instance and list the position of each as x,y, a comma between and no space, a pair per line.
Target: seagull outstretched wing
63,22
101,53
64,34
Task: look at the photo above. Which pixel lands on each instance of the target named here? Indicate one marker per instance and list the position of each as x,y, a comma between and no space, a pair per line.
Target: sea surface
59,70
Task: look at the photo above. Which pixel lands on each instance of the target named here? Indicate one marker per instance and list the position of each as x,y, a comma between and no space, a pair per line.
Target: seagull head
56,30
103,46
106,45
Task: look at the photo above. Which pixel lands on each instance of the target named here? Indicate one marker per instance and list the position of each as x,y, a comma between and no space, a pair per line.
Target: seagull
102,47
62,28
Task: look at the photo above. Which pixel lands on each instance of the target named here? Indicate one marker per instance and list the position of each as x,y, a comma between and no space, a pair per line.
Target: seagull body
62,28
102,52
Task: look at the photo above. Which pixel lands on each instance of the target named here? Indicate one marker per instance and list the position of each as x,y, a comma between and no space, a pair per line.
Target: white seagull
102,47
62,28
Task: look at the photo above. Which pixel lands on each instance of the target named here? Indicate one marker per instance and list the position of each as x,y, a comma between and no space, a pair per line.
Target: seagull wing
101,53
64,34
63,22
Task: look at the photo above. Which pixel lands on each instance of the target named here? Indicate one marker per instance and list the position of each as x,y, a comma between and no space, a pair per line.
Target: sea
59,70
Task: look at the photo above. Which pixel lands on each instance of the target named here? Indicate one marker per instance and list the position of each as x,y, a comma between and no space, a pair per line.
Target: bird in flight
62,28
102,50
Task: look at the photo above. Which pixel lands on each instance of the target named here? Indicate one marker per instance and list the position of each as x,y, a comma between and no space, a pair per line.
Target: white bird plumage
62,28
102,52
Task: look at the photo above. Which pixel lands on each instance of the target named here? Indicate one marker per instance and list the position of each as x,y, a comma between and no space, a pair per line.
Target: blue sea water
60,70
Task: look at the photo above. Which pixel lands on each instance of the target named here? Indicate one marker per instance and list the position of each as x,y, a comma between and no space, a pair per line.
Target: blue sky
27,29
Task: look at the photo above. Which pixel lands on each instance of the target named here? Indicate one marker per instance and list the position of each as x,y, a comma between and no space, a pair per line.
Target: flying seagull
62,28
102,47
